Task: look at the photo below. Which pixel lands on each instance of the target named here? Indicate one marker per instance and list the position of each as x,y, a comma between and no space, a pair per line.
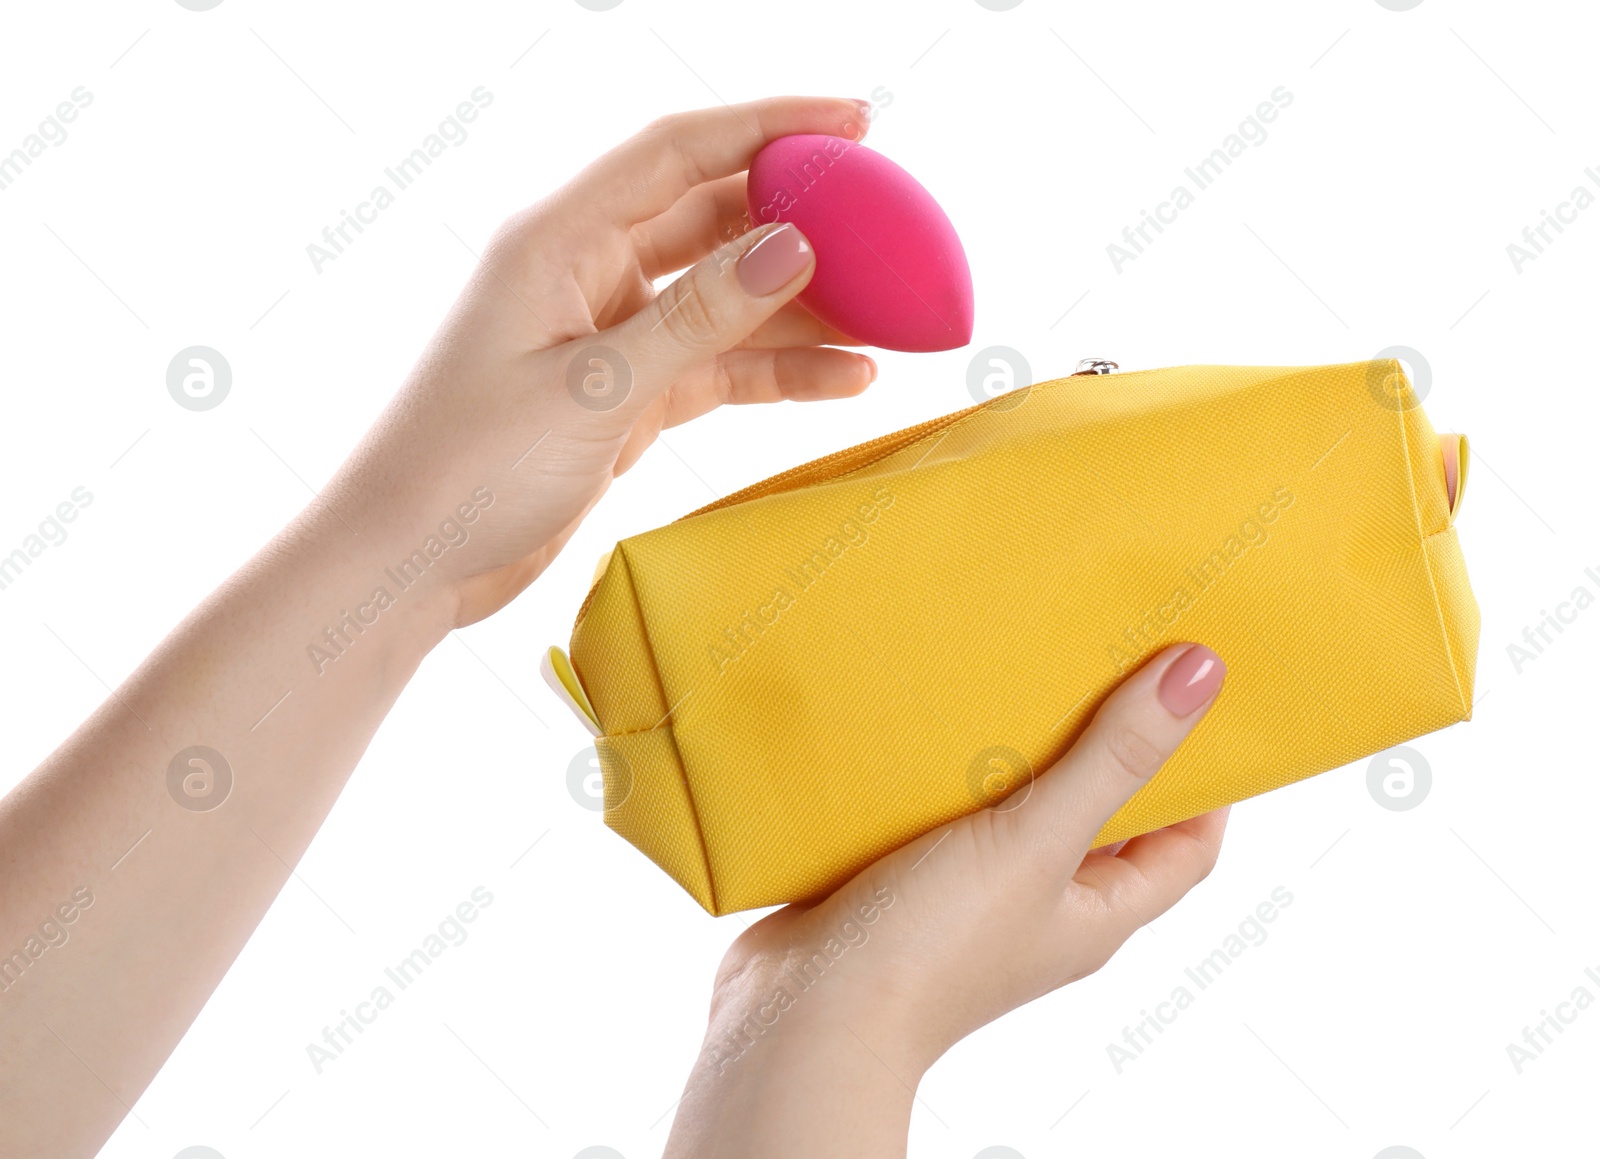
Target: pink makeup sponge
890,270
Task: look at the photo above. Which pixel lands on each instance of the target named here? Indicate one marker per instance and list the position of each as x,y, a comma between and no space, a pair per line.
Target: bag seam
1427,560
661,685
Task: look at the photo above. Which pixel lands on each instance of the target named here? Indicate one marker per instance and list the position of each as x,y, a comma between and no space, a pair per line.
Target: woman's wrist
796,1062
793,1001
377,586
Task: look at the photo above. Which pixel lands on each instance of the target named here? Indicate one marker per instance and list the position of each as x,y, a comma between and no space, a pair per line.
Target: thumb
714,306
1139,726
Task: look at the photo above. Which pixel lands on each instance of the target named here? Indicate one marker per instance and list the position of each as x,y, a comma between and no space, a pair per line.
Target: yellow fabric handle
1462,459
557,671
798,679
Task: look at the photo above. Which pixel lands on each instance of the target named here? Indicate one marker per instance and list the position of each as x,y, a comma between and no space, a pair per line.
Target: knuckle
515,226
1205,859
664,139
689,168
727,255
690,319
516,238
1096,958
723,381
1134,753
1086,970
663,128
646,246
525,224
676,124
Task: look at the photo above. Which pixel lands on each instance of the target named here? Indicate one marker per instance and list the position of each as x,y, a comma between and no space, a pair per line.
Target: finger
804,374
647,173
705,218
646,427
750,376
702,219
708,216
794,325
1153,872
1139,726
710,309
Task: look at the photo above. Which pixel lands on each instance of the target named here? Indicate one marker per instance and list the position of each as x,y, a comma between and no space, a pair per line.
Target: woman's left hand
560,363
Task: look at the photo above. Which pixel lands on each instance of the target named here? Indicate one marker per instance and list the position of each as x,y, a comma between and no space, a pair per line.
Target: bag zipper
853,458
860,455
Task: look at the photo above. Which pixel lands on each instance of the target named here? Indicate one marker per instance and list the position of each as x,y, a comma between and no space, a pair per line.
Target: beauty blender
890,270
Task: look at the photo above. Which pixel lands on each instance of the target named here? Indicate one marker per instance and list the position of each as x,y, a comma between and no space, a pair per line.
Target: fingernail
773,262
872,368
1191,680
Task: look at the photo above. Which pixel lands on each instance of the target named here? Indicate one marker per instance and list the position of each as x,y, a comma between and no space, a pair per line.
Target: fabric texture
800,678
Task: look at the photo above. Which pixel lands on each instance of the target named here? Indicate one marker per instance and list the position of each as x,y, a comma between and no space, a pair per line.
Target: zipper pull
1094,366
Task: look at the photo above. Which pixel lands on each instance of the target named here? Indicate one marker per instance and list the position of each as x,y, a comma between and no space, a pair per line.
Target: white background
1377,212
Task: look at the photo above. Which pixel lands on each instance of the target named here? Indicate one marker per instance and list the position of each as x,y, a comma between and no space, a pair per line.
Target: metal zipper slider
1094,366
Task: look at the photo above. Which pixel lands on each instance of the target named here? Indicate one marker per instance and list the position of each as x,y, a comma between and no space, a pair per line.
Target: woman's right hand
825,1017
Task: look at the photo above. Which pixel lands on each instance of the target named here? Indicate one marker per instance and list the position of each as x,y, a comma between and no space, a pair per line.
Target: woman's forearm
128,880
129,883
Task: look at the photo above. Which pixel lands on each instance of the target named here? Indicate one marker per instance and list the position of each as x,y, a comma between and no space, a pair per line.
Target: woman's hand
560,363
275,685
825,1018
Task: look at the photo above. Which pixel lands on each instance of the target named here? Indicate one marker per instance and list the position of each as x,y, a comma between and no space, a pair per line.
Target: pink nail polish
773,262
1191,680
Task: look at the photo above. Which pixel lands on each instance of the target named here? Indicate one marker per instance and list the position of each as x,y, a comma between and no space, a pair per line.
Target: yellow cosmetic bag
793,681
